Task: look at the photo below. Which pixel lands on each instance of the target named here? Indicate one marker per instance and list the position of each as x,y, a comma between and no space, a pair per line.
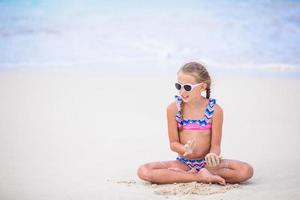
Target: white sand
73,135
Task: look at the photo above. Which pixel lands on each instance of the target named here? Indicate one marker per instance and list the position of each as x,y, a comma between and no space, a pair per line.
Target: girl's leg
175,172
233,171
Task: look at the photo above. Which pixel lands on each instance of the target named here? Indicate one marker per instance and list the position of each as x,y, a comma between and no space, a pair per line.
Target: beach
84,87
83,134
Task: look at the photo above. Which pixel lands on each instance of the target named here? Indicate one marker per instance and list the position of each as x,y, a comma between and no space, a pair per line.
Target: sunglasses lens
187,87
178,86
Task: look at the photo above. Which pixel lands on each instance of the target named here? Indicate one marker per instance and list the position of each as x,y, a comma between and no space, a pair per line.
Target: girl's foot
206,177
192,171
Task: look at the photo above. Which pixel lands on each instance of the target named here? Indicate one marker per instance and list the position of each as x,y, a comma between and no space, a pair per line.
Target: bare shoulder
172,108
218,108
218,111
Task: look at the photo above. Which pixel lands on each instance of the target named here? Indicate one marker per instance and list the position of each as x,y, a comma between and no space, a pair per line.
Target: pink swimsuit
196,127
195,124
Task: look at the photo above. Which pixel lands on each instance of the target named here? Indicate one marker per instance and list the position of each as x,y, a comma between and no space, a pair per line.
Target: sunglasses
186,87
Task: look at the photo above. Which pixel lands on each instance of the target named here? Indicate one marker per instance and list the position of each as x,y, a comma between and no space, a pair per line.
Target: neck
196,102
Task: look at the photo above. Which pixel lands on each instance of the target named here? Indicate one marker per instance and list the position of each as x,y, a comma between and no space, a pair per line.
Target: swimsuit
196,164
194,124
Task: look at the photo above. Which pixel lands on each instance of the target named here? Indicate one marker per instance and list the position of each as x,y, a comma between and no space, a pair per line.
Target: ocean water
231,37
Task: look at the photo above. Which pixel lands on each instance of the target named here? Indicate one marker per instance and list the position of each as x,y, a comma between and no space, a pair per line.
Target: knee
144,172
246,172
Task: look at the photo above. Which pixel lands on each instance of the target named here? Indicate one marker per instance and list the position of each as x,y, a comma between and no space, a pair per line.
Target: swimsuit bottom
197,164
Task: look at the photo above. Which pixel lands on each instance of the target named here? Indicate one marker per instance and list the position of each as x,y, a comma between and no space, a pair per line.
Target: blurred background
157,37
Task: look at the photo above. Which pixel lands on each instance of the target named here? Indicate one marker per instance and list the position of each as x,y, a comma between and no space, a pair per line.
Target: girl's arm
175,144
217,123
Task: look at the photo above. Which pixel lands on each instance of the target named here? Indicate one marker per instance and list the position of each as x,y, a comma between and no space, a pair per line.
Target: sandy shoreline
181,189
63,135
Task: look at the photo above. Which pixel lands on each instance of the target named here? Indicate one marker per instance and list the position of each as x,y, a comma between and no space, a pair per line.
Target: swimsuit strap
209,111
178,100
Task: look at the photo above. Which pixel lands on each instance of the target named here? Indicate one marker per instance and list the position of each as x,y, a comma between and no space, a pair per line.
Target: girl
195,131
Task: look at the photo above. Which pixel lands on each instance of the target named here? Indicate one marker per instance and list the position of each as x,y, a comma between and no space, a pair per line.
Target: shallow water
256,37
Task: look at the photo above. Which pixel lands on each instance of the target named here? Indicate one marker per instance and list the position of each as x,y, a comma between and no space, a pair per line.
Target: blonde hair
199,72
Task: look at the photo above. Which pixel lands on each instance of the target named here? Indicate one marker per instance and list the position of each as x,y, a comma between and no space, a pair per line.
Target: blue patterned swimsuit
194,124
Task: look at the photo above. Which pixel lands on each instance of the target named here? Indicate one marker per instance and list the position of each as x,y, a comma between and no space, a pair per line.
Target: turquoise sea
250,37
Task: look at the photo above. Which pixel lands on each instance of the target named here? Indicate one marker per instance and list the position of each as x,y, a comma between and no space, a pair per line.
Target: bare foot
192,171
206,177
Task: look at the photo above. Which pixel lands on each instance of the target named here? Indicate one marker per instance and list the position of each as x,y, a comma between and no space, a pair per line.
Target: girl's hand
188,148
212,160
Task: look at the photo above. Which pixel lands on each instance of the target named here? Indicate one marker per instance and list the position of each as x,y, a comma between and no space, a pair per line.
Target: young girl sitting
195,131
